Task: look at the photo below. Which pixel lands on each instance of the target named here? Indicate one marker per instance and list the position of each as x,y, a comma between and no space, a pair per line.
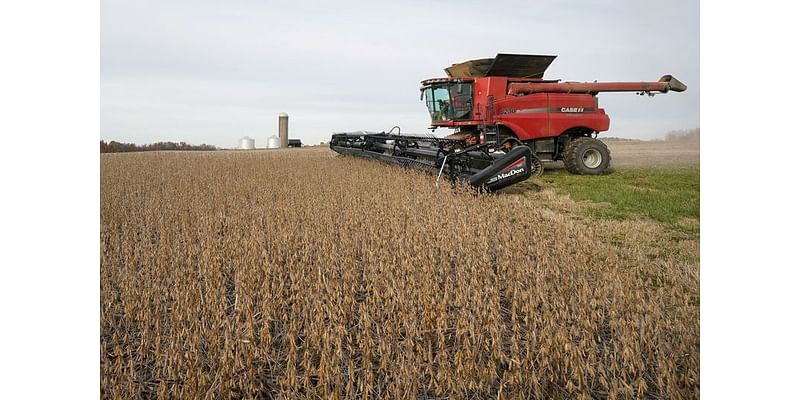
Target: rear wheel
537,169
586,156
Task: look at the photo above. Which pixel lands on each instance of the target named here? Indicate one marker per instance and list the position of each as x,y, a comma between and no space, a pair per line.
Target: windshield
450,101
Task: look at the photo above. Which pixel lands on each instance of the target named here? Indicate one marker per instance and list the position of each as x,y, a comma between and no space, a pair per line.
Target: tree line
686,134
117,147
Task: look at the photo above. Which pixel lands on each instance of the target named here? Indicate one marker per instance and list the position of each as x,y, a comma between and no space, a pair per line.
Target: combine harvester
507,119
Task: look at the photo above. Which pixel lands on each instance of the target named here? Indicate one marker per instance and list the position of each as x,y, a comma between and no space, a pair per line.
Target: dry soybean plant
300,274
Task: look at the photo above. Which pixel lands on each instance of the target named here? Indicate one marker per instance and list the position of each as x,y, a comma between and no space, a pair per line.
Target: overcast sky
211,72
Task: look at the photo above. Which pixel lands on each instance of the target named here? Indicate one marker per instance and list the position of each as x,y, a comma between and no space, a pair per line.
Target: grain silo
273,142
247,143
283,129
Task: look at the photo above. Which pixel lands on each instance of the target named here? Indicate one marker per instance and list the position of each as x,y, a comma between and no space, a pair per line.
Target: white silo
273,142
247,143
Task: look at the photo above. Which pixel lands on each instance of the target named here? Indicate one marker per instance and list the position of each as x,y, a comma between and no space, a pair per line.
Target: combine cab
504,111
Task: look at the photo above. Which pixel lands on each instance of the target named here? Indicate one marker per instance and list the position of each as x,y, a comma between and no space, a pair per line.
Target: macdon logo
572,109
506,175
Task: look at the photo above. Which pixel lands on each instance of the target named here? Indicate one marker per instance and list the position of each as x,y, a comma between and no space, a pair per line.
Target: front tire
586,156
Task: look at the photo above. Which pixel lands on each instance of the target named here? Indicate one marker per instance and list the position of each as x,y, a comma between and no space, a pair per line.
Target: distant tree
117,147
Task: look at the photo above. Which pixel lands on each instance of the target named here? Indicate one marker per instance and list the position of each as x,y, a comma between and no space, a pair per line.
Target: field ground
649,201
654,153
669,195
302,274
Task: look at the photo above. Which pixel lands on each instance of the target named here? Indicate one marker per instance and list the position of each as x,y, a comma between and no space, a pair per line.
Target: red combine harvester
507,119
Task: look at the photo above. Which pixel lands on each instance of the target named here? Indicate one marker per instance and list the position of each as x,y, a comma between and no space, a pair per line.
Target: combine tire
537,169
586,156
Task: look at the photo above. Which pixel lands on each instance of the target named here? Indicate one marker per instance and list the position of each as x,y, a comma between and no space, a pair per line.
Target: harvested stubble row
298,274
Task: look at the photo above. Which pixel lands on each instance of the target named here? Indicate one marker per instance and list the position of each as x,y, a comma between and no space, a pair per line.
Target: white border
49,120
749,269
